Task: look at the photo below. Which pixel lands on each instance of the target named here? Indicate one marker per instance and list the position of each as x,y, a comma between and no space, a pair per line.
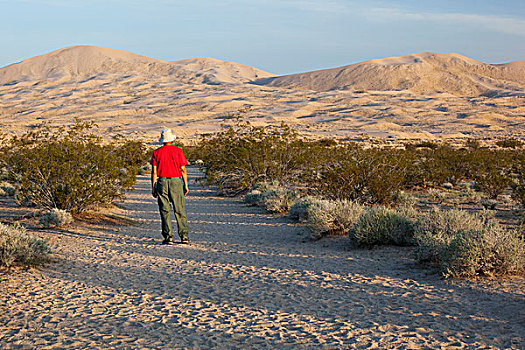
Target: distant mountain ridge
420,73
79,62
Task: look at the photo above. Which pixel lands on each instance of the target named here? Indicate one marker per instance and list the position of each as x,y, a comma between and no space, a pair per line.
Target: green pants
170,191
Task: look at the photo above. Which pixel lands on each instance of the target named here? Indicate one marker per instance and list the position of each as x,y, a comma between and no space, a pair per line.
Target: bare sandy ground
248,281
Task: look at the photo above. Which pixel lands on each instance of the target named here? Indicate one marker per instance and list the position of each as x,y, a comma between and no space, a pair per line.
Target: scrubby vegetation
332,217
463,244
363,192
19,247
487,251
65,170
243,155
55,218
70,168
380,226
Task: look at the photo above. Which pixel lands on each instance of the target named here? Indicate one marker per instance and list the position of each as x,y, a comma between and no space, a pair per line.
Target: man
168,165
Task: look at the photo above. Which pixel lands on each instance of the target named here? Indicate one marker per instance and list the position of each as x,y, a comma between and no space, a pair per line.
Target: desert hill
389,99
421,73
84,62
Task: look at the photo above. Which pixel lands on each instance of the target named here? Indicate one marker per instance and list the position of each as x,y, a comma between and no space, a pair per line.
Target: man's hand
154,192
186,190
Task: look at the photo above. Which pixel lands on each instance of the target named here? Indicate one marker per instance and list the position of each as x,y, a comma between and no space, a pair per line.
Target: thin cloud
503,24
330,6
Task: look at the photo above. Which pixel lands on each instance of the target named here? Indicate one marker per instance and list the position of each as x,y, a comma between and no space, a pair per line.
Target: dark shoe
184,241
168,242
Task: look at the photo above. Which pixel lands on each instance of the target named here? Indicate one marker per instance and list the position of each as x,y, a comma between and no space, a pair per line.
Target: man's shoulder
168,149
176,148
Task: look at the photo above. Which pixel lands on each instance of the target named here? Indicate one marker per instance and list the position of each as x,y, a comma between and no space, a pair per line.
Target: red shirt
168,159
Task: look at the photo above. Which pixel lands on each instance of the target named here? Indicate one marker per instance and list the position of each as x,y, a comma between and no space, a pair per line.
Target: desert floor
247,280
139,108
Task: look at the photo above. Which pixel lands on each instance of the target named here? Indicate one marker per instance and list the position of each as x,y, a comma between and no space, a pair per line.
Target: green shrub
509,143
491,172
382,226
518,183
332,217
366,175
71,168
483,252
17,246
243,155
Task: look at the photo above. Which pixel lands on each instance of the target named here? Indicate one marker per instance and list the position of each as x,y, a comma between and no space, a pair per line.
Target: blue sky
279,36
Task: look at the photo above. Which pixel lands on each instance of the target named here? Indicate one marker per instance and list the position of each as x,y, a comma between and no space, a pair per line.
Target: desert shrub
489,204
435,230
332,217
406,199
71,168
470,195
7,188
273,197
299,210
145,169
258,191
253,197
242,155
279,200
446,164
483,252
55,217
382,226
366,175
473,143
518,182
491,172
448,222
422,144
437,195
509,143
18,246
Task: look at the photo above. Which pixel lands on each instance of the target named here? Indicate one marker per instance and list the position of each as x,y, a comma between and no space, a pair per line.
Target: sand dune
90,62
421,73
136,96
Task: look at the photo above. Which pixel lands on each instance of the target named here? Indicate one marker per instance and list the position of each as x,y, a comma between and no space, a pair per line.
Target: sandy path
247,281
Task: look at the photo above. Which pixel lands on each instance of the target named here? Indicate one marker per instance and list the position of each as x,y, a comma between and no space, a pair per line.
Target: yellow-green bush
243,155
71,168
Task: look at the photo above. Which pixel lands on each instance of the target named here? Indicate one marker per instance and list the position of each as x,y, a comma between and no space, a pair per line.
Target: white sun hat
166,136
